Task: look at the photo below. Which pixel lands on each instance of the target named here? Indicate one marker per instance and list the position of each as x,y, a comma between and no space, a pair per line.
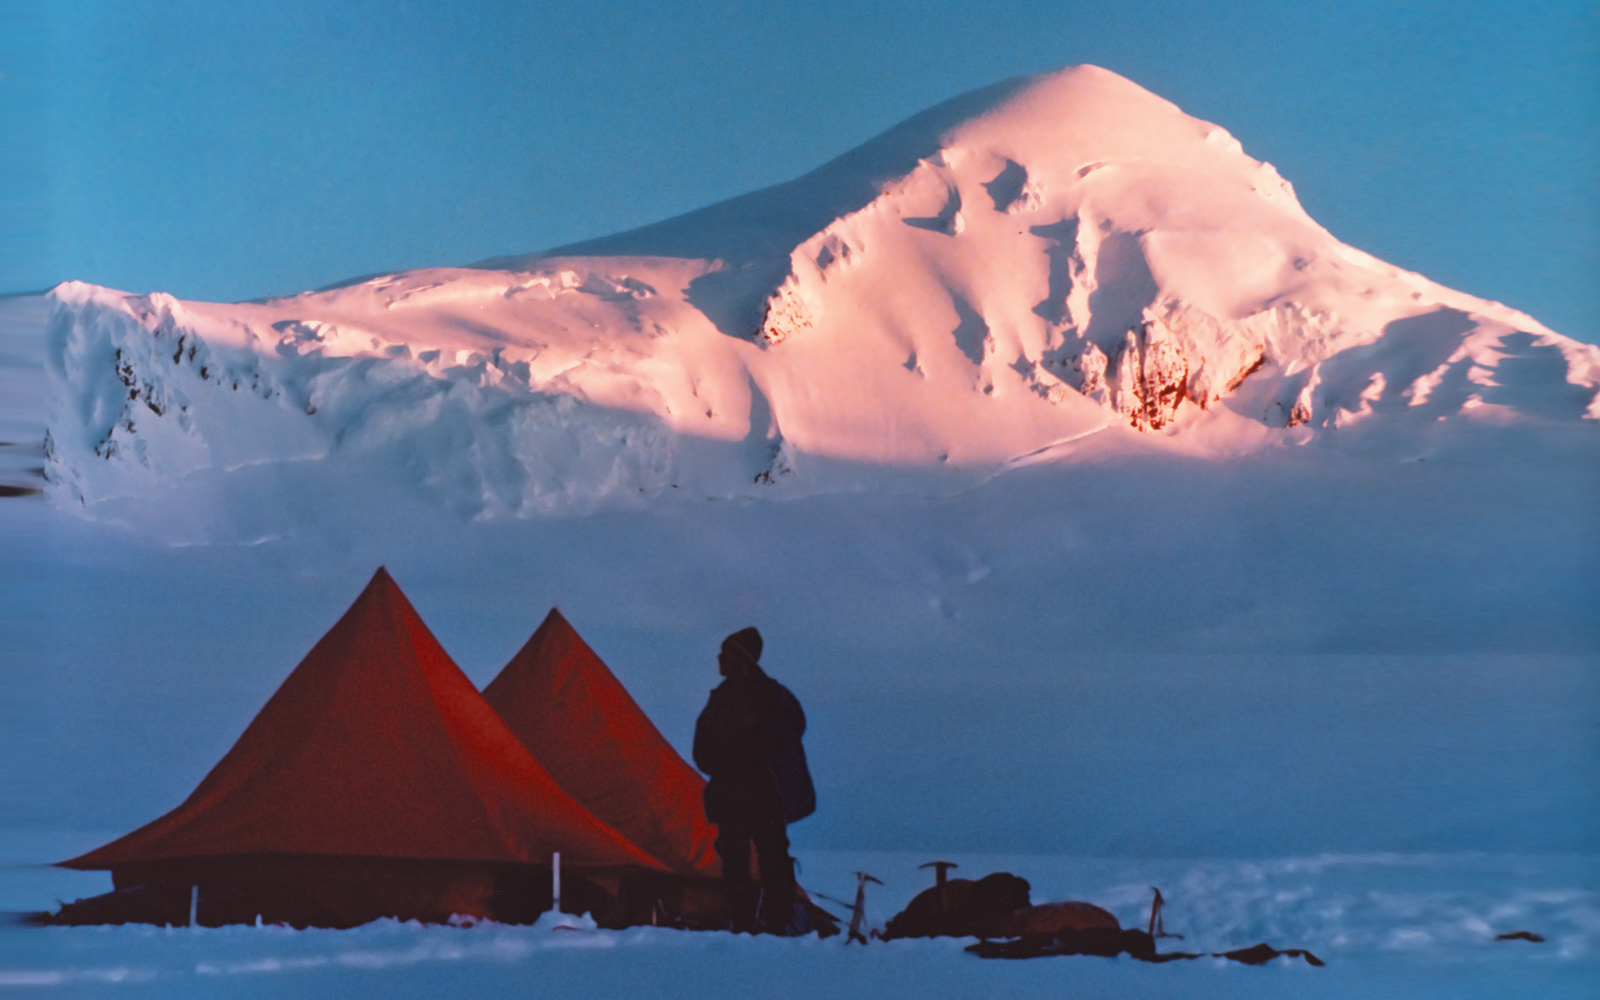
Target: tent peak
377,745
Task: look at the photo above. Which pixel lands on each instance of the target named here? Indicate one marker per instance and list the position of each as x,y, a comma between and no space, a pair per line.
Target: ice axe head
862,878
939,869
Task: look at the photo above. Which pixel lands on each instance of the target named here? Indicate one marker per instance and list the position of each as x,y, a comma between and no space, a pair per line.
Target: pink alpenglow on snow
1051,268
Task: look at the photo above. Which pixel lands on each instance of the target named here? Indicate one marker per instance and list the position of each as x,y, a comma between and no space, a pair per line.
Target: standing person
747,741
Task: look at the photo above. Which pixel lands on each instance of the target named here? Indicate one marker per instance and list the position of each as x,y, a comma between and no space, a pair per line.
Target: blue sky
226,151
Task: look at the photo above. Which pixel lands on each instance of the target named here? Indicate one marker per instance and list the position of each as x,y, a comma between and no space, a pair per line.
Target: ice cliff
1053,268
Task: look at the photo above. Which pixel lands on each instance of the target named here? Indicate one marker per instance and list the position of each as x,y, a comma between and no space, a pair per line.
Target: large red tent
567,707
376,755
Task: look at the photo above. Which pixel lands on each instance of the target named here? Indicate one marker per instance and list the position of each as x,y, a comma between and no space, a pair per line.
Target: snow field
1387,925
1065,263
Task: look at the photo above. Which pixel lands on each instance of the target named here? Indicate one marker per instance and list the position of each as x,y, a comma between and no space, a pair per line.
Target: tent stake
194,903
555,882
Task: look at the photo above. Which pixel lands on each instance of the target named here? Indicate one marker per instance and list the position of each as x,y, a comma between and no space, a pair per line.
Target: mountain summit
1049,268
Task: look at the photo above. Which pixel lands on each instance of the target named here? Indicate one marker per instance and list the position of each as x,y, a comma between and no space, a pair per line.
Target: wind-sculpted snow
1064,266
1413,926
189,396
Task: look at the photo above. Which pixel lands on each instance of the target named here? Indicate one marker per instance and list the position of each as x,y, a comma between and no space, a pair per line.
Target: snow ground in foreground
1411,926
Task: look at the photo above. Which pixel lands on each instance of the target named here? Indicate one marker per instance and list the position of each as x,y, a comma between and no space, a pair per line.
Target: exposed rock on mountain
1055,266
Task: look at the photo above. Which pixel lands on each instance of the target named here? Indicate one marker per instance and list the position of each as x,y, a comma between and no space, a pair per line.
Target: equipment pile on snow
998,910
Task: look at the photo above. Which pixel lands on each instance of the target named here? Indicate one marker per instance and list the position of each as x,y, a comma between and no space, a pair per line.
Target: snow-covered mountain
1052,268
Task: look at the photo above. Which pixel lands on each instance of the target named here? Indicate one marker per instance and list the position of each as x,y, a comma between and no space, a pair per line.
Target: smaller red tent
376,759
567,707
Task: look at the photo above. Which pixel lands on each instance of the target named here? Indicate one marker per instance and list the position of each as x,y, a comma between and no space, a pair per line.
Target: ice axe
939,870
858,912
1157,928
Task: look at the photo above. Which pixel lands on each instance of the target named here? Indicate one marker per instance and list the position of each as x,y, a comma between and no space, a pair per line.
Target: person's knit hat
746,642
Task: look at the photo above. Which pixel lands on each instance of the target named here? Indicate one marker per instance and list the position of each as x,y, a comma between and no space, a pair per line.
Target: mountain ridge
1036,264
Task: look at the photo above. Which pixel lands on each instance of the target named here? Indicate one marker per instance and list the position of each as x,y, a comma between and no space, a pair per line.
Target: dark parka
747,741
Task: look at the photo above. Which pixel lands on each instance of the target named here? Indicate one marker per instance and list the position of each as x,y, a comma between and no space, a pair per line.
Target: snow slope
1056,268
1408,928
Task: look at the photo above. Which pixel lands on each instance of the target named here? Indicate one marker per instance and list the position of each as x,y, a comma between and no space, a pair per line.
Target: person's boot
743,901
781,913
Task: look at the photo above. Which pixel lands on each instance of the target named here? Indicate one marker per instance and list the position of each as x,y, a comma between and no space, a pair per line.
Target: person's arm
794,715
783,720
707,743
